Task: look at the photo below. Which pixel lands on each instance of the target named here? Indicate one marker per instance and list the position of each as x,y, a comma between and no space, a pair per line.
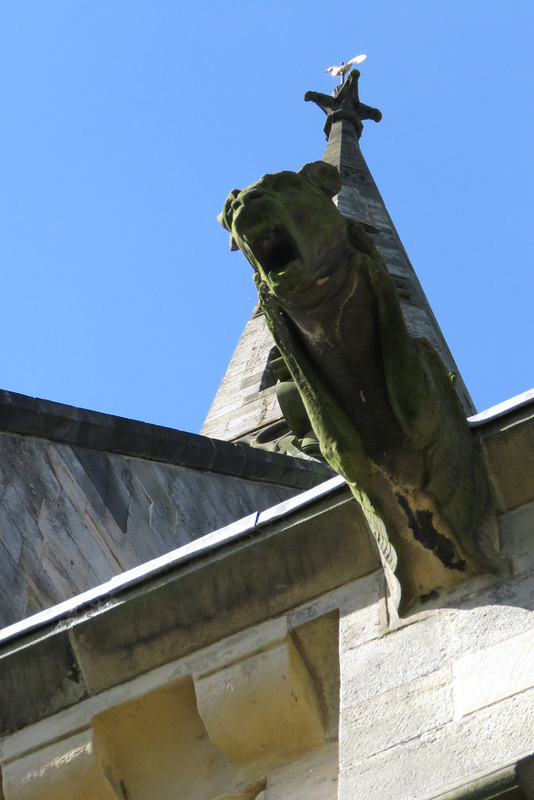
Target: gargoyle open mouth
275,249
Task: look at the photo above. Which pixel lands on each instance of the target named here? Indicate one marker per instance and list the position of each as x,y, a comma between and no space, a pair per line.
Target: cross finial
344,103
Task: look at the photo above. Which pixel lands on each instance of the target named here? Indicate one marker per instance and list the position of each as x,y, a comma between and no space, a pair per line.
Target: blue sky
125,124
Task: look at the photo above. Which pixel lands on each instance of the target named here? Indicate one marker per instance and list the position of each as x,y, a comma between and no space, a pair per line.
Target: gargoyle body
381,403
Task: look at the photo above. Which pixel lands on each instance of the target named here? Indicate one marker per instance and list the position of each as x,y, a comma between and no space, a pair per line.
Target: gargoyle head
289,229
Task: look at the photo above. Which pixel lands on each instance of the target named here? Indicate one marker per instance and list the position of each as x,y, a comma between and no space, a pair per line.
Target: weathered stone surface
436,639
363,613
200,602
264,708
429,764
317,641
241,406
75,426
72,517
314,777
205,661
187,613
400,741
394,717
517,537
490,675
158,747
399,737
508,442
223,735
39,678
59,771
345,598
241,645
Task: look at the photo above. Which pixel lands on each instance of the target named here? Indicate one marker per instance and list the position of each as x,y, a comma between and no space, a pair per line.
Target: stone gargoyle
381,403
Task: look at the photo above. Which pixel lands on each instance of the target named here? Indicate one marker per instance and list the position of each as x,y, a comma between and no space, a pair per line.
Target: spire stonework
359,199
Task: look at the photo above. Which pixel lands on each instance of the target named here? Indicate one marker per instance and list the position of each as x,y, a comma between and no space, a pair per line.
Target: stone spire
360,200
245,407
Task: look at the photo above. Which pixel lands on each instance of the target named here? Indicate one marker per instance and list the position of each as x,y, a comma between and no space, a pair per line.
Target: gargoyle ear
323,175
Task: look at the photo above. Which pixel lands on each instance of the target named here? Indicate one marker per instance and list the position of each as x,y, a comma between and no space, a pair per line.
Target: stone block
517,538
362,611
427,642
500,610
157,747
397,658
318,643
325,604
394,717
236,648
313,777
487,676
60,771
509,449
38,679
263,709
434,762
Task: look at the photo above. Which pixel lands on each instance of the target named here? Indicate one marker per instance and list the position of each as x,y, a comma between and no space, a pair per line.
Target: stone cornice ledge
506,432
255,570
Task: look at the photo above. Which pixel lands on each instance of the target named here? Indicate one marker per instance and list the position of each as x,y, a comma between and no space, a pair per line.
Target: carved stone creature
381,403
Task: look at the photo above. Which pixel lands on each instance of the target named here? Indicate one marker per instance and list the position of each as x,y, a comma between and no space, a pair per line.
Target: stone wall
336,698
252,716
446,695
276,667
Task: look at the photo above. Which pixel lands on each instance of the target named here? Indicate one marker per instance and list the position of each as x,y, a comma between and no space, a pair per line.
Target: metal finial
342,69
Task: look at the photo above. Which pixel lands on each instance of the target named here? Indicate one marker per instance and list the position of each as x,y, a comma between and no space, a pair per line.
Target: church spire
359,199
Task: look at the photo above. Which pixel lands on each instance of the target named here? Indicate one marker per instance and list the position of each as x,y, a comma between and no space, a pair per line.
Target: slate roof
85,496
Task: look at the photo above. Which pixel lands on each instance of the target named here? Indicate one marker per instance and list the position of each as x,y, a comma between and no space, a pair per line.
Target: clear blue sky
125,124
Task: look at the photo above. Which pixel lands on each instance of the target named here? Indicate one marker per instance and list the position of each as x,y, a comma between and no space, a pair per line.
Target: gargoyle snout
245,200
249,207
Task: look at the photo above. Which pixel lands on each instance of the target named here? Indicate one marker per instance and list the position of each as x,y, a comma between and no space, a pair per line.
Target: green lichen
381,404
